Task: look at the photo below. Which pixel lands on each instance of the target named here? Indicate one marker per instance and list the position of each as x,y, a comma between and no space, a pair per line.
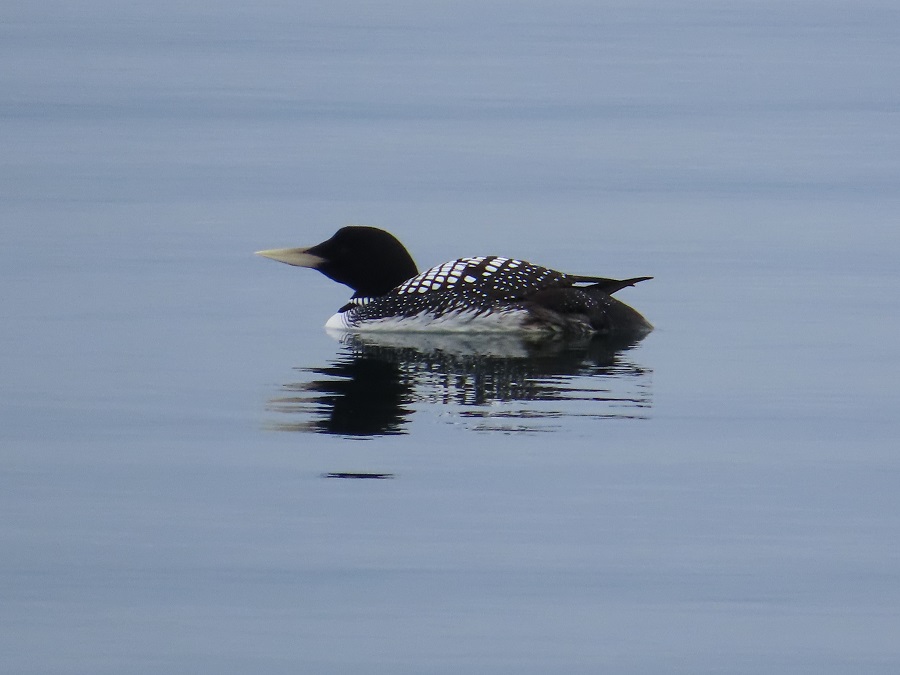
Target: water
179,467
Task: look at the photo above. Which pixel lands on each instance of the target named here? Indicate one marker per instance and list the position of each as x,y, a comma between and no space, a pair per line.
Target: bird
480,294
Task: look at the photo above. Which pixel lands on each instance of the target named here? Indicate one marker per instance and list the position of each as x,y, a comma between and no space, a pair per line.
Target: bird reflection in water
378,382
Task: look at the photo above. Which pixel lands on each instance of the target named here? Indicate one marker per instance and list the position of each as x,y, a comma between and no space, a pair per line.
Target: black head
368,260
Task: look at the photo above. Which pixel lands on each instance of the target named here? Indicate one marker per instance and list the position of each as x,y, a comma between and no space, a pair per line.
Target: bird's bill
299,257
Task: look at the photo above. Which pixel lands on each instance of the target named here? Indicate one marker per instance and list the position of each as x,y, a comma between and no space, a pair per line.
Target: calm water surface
184,449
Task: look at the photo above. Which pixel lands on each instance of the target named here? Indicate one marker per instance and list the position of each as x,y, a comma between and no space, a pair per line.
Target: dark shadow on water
377,384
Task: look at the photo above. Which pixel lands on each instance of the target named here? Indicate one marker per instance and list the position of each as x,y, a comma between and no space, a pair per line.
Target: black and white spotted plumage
483,293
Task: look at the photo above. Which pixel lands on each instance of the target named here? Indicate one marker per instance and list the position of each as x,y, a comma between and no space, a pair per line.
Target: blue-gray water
721,498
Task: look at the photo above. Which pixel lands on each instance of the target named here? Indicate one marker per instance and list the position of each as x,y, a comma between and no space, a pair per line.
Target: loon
477,294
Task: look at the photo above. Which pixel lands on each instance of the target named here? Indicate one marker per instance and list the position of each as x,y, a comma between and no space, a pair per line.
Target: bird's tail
608,286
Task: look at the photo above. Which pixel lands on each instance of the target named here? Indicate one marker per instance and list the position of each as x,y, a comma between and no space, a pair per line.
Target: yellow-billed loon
479,294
